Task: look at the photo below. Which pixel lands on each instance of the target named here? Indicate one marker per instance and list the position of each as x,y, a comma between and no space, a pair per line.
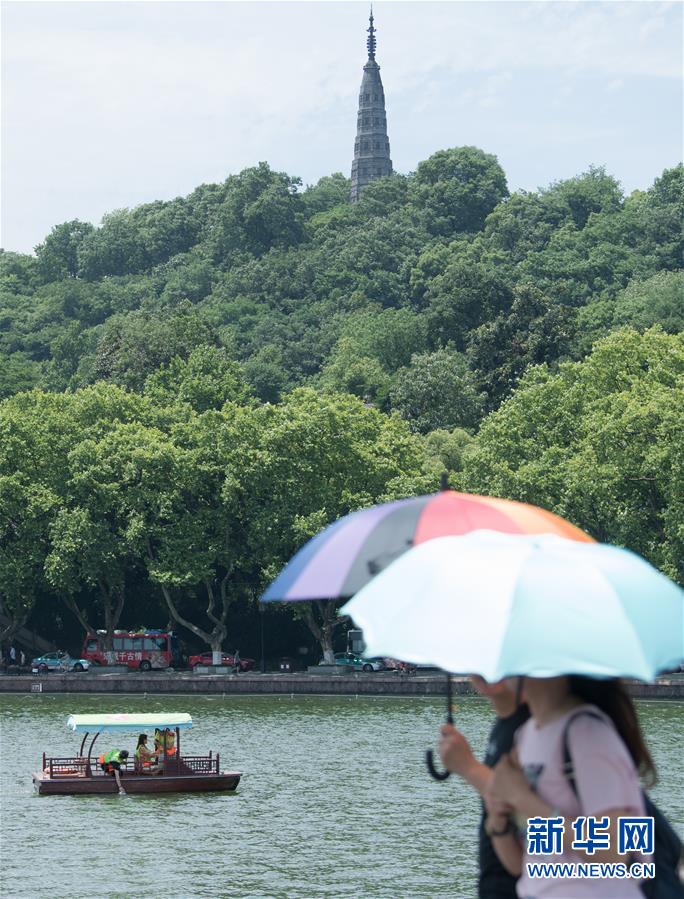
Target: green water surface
335,801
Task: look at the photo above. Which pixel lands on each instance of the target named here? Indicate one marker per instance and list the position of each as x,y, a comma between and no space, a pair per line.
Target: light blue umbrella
500,605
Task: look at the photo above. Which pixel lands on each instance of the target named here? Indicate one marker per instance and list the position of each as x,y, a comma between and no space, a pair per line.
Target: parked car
358,663
58,661
206,658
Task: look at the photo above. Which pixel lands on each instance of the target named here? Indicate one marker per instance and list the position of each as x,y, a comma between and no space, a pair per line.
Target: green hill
186,369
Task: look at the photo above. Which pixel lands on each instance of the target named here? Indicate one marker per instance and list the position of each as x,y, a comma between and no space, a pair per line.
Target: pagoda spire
371,43
371,148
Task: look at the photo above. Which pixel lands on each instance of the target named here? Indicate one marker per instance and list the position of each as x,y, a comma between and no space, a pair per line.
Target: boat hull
186,783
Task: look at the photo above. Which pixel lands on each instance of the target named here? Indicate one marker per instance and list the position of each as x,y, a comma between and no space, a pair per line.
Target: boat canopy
121,722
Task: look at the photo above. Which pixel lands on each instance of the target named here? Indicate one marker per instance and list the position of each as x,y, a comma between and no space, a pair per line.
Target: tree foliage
534,330
191,389
58,254
207,379
437,392
286,280
309,461
26,512
601,442
457,189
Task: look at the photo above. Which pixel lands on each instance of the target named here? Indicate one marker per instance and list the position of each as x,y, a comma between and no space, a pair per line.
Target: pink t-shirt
606,778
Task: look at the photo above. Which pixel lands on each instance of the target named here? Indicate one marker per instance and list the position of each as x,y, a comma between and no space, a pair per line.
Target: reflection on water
335,800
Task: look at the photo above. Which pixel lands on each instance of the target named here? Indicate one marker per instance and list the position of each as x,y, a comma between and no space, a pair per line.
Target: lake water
335,801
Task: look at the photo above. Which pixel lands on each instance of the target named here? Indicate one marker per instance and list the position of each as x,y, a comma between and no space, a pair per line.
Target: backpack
667,846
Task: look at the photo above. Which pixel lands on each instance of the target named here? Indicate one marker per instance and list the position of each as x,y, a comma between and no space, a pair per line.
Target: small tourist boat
180,773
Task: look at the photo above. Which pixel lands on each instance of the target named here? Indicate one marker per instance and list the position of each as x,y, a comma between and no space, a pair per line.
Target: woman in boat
111,762
145,758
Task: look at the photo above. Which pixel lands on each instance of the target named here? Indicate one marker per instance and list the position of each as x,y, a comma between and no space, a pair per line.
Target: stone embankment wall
362,684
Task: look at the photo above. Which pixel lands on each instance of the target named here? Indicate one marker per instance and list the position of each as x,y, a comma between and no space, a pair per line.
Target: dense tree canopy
601,442
285,279
191,389
436,391
456,190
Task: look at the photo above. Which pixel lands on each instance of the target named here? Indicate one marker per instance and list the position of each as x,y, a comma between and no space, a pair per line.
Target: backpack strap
568,767
669,852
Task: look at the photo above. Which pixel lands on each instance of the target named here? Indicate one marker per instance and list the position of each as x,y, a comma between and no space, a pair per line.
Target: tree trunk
216,651
322,620
327,647
330,624
214,638
112,599
112,602
81,616
217,635
11,623
178,618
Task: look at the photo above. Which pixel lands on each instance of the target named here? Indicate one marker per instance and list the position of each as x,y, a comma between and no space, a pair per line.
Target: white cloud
110,104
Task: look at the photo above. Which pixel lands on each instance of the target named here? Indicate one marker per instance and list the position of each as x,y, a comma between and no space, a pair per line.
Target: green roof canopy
121,722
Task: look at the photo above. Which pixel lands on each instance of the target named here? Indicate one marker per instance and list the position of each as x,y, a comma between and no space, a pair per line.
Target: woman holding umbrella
597,722
500,605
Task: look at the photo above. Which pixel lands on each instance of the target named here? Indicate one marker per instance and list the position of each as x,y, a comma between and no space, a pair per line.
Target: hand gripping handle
429,755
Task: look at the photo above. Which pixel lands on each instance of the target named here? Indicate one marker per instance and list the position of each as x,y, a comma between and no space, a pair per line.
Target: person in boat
145,758
494,880
111,762
164,742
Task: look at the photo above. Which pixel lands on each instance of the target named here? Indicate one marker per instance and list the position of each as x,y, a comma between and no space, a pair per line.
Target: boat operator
111,762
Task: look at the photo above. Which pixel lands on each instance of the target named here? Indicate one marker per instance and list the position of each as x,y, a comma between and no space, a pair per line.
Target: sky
108,105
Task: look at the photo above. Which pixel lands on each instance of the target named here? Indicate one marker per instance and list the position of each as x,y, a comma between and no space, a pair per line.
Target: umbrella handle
429,755
429,761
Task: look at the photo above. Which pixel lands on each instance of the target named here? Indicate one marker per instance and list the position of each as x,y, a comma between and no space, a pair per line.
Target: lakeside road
375,683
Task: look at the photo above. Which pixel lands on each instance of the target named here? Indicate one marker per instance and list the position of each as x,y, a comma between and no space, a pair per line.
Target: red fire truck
138,649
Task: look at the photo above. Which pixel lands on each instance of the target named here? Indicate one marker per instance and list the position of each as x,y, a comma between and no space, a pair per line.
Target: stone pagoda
371,147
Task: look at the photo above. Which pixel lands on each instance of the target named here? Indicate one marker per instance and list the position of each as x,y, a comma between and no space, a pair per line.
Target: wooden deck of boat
65,785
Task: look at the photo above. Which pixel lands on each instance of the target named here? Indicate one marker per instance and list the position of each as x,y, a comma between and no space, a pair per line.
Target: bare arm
117,778
505,838
457,756
509,785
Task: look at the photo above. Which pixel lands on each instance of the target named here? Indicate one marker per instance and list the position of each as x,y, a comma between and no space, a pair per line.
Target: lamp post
262,612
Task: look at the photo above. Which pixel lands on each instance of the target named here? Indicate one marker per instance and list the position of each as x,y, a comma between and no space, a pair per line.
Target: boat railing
68,766
199,764
78,766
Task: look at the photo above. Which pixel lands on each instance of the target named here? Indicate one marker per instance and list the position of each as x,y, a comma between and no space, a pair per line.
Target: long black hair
142,739
612,698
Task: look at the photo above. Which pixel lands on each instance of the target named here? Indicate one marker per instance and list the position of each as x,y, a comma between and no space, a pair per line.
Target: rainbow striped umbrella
343,558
